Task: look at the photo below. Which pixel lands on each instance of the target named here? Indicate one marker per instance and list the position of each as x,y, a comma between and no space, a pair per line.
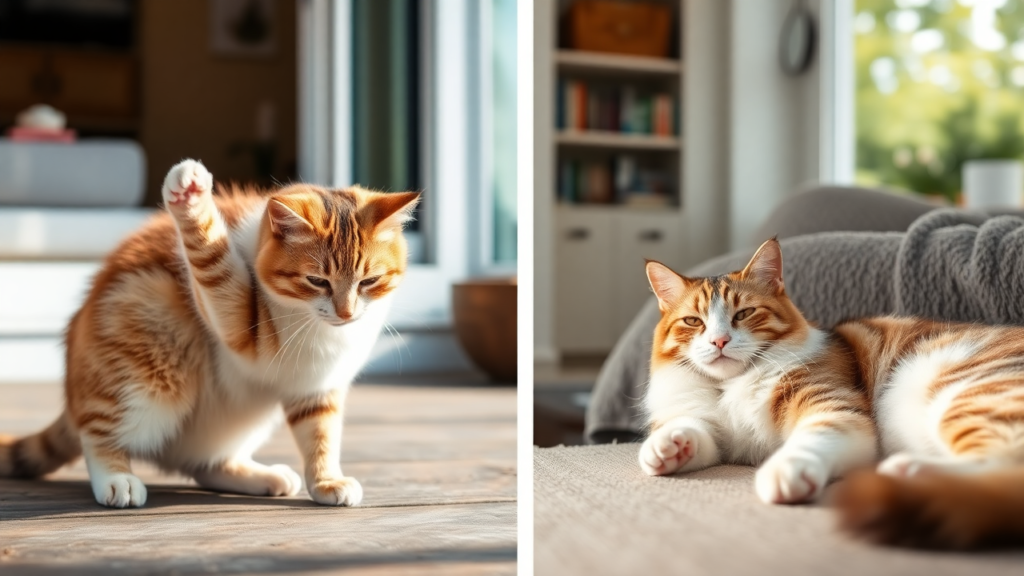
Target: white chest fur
313,355
737,408
241,407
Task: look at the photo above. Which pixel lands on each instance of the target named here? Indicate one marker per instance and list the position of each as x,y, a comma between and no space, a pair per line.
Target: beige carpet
596,513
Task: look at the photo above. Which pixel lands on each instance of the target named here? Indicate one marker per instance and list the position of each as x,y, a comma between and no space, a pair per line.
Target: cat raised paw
791,478
667,450
186,185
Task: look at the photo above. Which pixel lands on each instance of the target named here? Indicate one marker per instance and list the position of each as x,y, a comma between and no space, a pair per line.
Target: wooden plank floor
437,465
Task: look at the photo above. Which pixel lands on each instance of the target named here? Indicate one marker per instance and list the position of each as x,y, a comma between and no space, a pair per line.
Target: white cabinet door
639,235
583,280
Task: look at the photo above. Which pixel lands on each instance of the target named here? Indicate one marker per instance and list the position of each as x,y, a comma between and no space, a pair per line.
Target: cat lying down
739,376
202,325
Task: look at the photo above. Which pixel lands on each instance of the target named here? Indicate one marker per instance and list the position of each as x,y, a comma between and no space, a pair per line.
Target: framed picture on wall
243,27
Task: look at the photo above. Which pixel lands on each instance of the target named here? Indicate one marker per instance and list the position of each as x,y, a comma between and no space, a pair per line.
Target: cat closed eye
692,321
318,282
743,314
369,281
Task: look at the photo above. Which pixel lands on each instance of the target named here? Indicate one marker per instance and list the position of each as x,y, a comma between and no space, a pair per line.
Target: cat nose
721,341
345,306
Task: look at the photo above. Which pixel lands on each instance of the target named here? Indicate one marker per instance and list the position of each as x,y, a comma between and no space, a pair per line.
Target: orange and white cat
738,375
201,326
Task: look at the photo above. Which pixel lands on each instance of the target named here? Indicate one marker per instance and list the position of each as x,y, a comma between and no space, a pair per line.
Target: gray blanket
950,265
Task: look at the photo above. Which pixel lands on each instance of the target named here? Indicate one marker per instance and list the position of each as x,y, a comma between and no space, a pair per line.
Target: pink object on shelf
27,134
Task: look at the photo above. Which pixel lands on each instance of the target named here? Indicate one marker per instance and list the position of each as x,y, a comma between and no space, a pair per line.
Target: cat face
722,326
333,252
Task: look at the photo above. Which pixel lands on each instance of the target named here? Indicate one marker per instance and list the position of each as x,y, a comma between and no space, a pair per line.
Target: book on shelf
623,109
641,200
618,180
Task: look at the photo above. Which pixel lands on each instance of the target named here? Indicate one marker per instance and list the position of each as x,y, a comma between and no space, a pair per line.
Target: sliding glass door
419,95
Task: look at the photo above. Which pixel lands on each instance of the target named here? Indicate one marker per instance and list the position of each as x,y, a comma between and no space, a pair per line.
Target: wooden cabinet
600,283
597,129
639,236
583,280
82,84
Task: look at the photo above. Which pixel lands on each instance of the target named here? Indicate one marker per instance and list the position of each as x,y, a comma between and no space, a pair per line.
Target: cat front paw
791,478
187,185
119,490
339,491
667,450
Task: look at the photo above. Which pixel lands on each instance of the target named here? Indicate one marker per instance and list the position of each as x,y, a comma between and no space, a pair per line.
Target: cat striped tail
936,511
39,454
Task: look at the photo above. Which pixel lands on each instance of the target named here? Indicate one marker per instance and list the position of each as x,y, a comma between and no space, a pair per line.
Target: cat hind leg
905,465
245,476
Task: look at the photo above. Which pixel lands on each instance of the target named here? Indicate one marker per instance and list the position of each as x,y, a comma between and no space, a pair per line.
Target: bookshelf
576,60
616,140
612,180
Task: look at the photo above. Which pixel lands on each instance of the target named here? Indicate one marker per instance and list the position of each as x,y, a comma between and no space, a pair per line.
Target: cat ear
667,285
286,223
386,213
766,265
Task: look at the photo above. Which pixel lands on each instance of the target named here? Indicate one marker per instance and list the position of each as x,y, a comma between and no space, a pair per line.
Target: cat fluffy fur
204,324
738,375
761,398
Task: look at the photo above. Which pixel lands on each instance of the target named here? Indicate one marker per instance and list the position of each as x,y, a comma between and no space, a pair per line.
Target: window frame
837,122
483,204
325,150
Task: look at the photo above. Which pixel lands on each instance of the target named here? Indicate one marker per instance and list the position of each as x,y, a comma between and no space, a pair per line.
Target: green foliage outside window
939,82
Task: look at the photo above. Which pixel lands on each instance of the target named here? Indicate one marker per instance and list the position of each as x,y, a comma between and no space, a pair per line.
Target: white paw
667,450
283,481
119,491
187,184
903,465
791,478
343,491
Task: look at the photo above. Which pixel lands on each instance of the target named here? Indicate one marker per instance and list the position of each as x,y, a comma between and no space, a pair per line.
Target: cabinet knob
577,234
650,236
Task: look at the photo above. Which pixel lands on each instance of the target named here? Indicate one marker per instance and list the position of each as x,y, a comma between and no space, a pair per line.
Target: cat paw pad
186,184
119,491
667,450
790,479
342,491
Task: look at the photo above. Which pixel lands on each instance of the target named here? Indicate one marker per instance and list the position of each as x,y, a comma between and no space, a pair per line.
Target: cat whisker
288,327
302,331
395,335
763,356
299,348
282,348
276,318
